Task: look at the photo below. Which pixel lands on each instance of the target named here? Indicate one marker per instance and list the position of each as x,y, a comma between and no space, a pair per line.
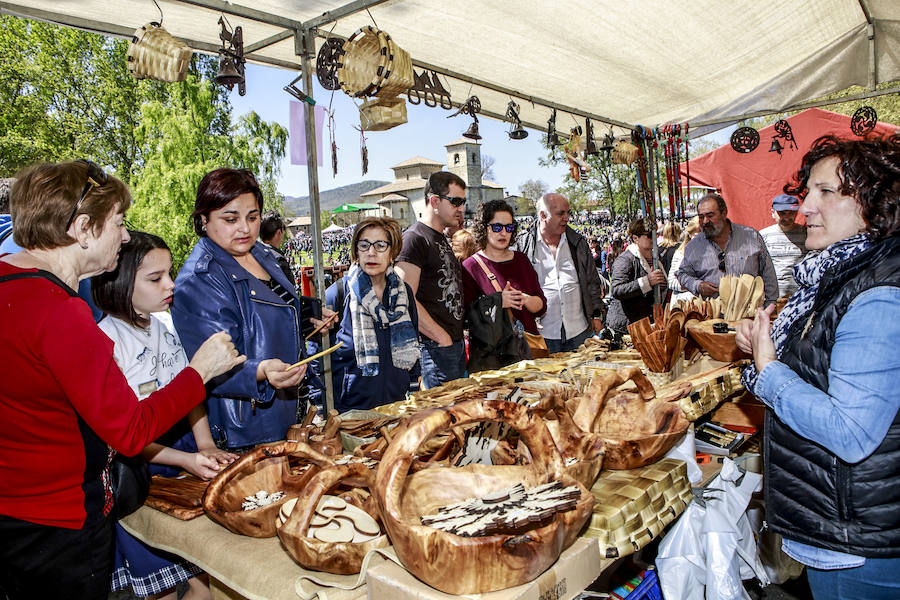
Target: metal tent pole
305,46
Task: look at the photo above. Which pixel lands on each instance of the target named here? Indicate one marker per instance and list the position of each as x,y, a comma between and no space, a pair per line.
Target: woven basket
633,507
624,153
399,77
382,114
155,54
367,58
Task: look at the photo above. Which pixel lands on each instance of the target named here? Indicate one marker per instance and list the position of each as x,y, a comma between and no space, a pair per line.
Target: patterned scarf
808,273
366,309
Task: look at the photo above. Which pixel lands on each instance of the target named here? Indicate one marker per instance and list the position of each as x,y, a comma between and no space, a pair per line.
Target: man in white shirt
568,277
785,241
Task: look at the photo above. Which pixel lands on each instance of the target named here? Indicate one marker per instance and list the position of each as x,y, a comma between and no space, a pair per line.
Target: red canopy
748,182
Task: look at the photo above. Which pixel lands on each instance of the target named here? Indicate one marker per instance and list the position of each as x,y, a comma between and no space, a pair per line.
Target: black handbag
493,343
129,478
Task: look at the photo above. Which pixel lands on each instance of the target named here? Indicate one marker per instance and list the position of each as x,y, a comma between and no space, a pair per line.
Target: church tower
464,159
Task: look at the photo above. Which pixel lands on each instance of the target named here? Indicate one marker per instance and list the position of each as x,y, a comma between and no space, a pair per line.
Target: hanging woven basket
155,54
382,114
624,153
399,77
367,58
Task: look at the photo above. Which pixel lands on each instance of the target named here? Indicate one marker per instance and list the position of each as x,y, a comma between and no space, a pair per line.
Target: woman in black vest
827,371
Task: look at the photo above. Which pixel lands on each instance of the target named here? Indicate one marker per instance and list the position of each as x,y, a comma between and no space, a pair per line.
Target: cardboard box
576,568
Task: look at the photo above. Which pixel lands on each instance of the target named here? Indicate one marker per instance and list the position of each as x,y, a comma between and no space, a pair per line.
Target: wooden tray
181,497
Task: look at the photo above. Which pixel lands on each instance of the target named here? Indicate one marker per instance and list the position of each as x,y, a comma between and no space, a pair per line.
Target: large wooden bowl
470,565
637,427
340,558
720,346
265,468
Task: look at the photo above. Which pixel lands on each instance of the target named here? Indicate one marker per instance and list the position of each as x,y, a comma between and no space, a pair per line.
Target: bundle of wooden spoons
740,296
661,343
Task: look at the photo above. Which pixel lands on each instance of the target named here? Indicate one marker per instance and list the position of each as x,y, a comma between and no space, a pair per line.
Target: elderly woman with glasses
379,355
65,406
495,231
232,282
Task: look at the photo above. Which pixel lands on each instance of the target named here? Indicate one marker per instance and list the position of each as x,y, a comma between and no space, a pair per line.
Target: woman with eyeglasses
495,231
379,358
827,371
65,406
233,282
633,277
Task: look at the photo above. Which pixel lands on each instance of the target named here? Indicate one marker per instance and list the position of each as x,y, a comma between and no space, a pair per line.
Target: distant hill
331,199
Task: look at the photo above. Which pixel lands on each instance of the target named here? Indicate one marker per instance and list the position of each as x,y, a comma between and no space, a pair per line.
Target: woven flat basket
366,60
382,114
155,54
634,506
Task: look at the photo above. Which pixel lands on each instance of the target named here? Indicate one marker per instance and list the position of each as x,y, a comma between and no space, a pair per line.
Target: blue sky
426,133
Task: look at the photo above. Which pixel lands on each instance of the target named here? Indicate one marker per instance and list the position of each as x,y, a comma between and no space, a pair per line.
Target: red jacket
62,400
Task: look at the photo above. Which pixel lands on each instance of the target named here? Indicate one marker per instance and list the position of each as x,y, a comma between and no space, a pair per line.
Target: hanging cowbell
472,131
776,146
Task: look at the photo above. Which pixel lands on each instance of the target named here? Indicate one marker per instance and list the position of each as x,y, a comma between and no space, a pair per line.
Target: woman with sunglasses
379,358
495,231
633,277
233,282
65,406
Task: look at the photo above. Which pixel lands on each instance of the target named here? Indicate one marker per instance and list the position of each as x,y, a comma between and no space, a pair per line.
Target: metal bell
518,132
472,131
776,146
228,73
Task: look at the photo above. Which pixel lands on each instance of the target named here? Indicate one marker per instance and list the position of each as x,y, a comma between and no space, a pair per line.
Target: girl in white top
150,355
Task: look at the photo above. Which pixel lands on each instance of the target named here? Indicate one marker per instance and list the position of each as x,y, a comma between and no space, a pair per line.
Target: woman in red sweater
65,407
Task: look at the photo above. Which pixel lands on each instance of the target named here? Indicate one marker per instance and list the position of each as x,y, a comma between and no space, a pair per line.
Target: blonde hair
671,234
692,229
463,244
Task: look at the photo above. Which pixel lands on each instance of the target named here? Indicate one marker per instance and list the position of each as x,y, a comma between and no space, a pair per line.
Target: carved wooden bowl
720,346
265,468
342,558
637,427
469,565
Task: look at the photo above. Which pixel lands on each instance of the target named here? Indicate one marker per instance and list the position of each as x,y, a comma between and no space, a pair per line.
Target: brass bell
776,146
472,131
228,73
518,132
553,139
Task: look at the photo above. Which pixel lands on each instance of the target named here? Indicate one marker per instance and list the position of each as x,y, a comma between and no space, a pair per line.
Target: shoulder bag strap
40,275
493,280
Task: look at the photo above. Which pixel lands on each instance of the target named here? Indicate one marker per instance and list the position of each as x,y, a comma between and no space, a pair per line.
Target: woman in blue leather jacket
232,282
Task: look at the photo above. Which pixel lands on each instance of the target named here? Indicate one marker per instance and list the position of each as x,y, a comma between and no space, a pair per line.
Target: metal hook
160,12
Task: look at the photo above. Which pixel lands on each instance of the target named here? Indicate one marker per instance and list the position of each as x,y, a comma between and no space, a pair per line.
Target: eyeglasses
498,227
722,261
454,200
95,177
380,245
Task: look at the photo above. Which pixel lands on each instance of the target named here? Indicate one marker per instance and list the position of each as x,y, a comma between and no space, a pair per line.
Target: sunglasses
380,245
722,261
454,200
498,227
95,177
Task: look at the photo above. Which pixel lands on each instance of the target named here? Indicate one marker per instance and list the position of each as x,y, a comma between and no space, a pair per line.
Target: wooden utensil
315,356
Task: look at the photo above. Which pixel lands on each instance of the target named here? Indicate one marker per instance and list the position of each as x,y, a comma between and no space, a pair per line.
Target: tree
487,167
533,189
67,94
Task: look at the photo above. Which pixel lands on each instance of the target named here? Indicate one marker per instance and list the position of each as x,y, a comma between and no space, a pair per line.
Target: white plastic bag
711,548
686,450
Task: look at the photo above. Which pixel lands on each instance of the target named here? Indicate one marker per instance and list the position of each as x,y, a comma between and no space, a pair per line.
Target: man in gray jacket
566,272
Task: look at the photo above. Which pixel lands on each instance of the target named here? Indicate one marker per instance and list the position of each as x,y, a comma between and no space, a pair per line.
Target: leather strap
493,279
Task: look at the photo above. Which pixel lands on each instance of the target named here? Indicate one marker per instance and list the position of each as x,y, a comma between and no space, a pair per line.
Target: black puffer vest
812,496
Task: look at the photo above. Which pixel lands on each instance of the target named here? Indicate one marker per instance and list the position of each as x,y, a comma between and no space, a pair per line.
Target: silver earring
84,246
203,228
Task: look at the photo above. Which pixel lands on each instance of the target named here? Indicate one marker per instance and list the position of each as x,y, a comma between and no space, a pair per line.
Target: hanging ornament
864,120
516,131
364,152
783,130
578,168
745,140
334,148
471,107
430,89
327,63
552,137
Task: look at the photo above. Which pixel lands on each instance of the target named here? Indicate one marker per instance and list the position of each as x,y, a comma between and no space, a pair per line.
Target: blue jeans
569,344
441,364
877,579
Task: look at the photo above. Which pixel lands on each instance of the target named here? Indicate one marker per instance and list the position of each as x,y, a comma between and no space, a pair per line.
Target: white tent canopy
647,62
332,229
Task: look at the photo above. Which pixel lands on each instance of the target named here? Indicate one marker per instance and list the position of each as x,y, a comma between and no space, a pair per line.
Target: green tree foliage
67,94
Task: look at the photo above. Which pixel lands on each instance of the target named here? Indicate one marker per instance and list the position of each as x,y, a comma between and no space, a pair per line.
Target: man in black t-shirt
428,265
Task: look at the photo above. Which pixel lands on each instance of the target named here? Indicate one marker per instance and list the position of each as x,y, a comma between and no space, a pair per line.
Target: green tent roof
344,208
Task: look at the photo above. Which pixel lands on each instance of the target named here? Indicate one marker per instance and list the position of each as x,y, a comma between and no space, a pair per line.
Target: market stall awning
748,182
332,229
348,208
625,63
